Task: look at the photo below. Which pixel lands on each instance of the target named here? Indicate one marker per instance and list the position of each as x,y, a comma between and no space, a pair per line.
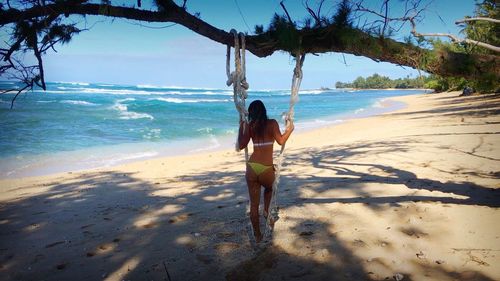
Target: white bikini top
258,144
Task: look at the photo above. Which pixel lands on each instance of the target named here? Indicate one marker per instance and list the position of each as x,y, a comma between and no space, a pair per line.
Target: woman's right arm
282,138
243,135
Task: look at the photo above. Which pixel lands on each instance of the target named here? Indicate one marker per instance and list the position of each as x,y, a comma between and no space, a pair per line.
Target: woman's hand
291,126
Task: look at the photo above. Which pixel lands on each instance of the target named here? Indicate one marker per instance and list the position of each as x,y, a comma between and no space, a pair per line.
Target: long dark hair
257,115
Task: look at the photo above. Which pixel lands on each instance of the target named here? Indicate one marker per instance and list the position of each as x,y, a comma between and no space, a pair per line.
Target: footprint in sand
359,243
61,266
104,247
306,233
86,226
224,235
206,259
384,244
54,244
150,225
411,231
37,258
226,248
180,218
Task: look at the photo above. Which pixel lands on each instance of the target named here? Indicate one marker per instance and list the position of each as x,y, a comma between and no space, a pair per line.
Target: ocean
74,126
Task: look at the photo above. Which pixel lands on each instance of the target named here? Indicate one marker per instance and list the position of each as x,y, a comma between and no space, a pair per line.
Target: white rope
288,116
237,78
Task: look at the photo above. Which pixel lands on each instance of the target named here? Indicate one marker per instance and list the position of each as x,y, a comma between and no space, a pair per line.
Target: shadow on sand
115,226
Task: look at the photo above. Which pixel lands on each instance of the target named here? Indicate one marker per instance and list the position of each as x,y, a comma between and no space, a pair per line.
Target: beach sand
407,195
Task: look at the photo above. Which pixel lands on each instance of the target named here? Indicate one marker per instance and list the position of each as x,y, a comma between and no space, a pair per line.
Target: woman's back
263,141
263,132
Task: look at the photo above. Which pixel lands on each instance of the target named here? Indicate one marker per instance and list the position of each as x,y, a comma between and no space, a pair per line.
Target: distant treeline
377,81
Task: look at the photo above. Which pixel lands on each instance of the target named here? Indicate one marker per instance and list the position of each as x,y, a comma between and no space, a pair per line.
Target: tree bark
313,40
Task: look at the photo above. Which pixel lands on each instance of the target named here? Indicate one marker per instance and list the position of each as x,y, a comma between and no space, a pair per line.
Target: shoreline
427,91
62,162
412,193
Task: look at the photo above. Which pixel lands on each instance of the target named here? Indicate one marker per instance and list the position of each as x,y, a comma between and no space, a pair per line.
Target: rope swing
288,116
237,78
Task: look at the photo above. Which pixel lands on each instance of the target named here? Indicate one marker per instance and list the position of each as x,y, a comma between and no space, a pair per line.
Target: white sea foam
46,101
177,100
359,110
77,102
127,115
135,115
152,134
379,104
207,130
53,92
213,144
146,86
311,92
224,93
206,93
120,158
74,83
230,131
108,90
126,99
116,91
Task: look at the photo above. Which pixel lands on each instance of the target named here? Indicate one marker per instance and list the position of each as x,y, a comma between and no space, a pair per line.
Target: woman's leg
267,180
254,193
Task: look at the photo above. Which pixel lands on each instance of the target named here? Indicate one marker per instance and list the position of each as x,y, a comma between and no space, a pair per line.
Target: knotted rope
288,116
237,78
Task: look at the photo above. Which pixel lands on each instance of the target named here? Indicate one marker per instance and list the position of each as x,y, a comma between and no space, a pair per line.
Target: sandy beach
408,195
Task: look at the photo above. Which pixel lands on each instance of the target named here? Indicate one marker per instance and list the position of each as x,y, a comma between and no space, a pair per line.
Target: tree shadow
113,225
454,107
348,174
117,226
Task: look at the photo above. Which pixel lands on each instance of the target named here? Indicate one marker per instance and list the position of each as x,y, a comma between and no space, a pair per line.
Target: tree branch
286,12
477,19
317,40
453,38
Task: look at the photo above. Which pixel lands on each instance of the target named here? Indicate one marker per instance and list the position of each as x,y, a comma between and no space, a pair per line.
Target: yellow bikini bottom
258,168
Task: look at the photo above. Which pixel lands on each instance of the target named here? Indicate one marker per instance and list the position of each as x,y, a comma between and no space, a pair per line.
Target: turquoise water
83,125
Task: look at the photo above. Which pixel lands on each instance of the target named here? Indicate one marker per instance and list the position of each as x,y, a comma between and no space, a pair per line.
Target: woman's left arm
243,135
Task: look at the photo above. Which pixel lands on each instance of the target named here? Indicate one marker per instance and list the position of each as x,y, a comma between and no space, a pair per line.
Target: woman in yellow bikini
260,171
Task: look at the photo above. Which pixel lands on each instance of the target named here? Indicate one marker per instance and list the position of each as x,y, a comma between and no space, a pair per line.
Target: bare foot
258,238
271,220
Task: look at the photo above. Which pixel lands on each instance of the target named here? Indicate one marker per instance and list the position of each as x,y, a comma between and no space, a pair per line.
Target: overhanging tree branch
453,38
320,39
477,19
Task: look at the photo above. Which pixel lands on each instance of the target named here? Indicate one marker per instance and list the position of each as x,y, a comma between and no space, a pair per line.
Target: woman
260,170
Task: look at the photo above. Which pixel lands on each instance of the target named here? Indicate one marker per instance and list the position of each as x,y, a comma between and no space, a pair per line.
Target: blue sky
124,52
